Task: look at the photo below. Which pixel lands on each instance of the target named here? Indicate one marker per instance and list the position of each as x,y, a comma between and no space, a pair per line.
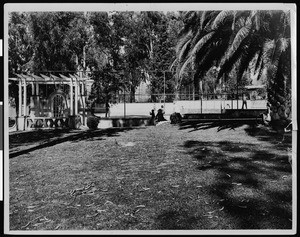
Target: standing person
107,107
267,117
244,101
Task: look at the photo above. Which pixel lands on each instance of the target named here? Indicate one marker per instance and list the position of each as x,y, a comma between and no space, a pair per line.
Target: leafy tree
155,38
123,48
107,36
44,41
164,54
20,50
135,52
20,42
53,49
140,45
107,82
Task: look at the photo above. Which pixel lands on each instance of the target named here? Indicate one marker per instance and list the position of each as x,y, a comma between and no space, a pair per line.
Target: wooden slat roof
51,79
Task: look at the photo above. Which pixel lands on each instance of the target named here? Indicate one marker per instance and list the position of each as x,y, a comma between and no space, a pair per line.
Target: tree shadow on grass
264,133
249,180
19,138
261,132
34,140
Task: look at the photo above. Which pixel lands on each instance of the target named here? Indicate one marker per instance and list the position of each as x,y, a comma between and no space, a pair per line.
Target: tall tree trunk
132,94
176,96
151,45
279,99
201,87
177,85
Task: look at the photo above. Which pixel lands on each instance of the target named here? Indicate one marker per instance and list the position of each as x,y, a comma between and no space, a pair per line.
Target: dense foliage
117,49
235,42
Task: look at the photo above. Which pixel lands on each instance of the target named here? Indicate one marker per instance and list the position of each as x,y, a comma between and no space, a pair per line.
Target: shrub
92,122
74,122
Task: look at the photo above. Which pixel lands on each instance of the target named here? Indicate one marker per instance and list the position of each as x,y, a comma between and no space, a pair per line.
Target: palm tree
232,40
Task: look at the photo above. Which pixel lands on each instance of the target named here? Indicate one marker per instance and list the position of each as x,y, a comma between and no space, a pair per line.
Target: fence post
124,104
201,102
165,90
237,95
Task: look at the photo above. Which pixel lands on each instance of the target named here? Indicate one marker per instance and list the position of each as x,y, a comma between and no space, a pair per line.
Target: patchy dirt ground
163,177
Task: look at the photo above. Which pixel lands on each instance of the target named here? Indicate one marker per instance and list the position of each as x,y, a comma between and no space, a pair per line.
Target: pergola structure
59,109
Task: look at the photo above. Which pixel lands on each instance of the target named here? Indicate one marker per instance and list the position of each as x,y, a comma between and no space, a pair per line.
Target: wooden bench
227,116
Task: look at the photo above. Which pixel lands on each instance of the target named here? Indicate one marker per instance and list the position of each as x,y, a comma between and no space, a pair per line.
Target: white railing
46,122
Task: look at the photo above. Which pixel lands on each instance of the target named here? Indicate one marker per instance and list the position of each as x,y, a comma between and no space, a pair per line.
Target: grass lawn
164,177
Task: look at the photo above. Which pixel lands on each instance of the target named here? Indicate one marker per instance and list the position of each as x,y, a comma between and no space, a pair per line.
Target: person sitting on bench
160,115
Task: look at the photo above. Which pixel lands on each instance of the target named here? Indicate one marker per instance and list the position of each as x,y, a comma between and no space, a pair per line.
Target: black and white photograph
150,118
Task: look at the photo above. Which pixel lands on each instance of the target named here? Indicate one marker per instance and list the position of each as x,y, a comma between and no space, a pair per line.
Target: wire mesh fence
171,97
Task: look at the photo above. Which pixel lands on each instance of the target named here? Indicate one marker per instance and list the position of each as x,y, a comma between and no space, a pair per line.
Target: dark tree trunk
279,98
132,94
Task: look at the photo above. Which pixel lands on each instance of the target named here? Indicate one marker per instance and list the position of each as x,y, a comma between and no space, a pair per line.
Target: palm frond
247,56
208,23
227,64
257,20
209,59
197,37
202,19
185,64
241,17
283,44
233,22
258,60
237,47
221,17
190,22
188,18
239,37
273,50
182,41
268,51
261,70
201,43
184,51
173,64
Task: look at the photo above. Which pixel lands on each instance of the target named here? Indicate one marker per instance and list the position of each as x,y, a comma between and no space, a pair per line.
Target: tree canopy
119,49
231,40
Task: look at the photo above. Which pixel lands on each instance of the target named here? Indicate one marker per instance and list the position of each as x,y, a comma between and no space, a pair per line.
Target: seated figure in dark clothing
160,115
152,119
